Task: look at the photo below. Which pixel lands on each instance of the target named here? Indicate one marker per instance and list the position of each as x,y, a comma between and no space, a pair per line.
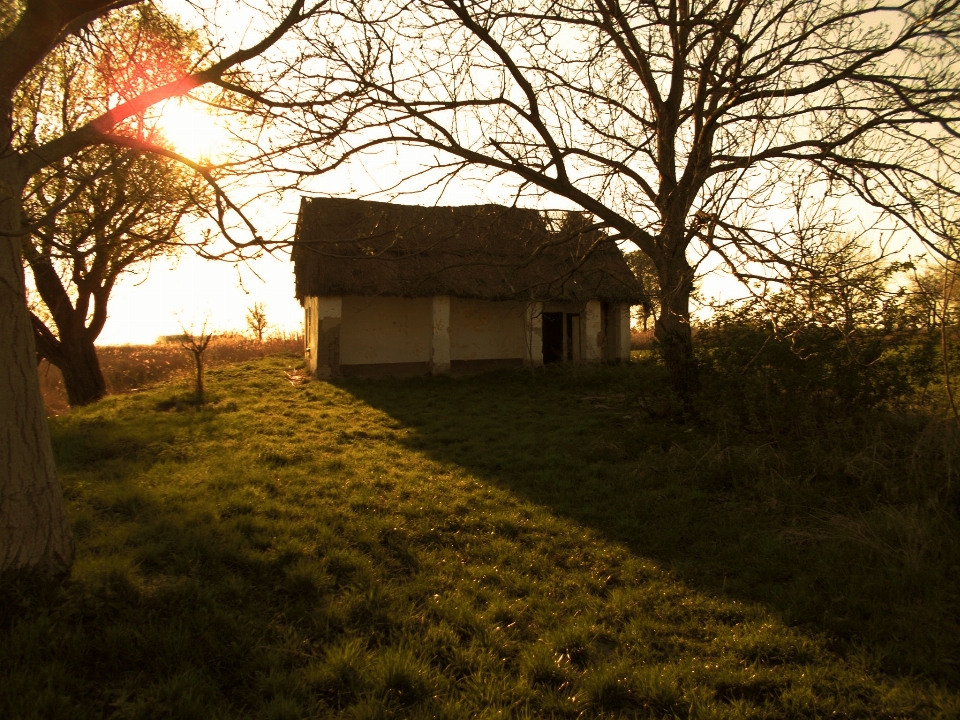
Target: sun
192,130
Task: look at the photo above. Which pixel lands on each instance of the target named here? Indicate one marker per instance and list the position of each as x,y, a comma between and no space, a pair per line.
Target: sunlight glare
192,131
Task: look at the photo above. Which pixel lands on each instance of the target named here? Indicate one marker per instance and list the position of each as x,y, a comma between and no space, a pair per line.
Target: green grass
510,545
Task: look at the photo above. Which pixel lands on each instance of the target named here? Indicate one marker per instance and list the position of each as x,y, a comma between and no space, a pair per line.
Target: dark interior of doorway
552,337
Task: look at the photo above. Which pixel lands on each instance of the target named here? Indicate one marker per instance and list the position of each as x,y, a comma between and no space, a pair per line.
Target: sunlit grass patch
132,367
491,546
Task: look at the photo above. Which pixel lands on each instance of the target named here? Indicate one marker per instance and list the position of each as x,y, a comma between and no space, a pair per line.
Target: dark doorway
552,337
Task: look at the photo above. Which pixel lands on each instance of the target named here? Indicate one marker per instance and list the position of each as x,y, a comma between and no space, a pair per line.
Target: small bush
760,376
642,339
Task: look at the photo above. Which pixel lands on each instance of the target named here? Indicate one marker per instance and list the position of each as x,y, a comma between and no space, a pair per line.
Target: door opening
552,337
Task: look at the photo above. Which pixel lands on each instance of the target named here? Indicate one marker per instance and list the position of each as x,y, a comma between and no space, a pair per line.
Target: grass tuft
342,676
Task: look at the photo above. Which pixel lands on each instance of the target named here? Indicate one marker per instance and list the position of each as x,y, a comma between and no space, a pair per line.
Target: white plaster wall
310,331
329,309
485,330
440,353
575,338
385,330
623,334
591,322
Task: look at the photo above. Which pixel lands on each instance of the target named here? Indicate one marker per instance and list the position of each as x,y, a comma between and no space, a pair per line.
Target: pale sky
192,290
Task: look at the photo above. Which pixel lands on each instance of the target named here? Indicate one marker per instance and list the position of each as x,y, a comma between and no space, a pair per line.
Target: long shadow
181,604
190,600
579,443
176,598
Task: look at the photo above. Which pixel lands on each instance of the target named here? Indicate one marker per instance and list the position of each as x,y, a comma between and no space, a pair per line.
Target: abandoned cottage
390,289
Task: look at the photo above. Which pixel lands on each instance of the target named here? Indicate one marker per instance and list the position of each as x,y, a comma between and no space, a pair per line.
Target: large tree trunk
672,328
82,376
73,352
35,538
77,360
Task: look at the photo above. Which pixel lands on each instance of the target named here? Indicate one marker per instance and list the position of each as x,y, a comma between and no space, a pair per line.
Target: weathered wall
310,331
440,352
592,334
484,330
617,333
377,333
321,320
385,330
533,335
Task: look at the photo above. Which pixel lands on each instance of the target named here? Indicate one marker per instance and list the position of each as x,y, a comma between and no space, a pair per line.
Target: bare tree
257,320
98,214
34,536
689,127
948,291
196,344
129,215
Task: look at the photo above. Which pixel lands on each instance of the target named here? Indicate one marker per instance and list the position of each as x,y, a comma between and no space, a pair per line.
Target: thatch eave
485,252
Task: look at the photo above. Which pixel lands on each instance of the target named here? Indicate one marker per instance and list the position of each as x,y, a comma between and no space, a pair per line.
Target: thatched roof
490,252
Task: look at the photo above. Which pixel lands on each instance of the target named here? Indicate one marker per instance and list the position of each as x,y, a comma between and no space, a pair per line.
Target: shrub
813,373
808,355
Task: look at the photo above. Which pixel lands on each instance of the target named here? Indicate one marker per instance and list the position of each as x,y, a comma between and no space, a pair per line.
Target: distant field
131,367
510,545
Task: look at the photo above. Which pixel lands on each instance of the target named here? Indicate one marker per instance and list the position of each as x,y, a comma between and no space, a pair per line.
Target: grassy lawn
510,545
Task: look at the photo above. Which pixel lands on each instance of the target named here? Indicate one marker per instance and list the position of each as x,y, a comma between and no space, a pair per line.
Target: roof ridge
414,250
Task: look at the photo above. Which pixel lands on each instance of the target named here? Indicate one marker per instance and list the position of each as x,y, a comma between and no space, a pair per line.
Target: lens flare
191,131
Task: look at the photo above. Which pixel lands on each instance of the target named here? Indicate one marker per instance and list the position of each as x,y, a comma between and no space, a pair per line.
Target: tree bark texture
198,359
34,535
73,352
672,328
82,376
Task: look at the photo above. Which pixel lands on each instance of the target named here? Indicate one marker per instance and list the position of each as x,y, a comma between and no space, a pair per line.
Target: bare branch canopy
730,128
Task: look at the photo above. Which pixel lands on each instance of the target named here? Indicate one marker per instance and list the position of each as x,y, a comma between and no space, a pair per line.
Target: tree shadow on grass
175,607
257,557
598,446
